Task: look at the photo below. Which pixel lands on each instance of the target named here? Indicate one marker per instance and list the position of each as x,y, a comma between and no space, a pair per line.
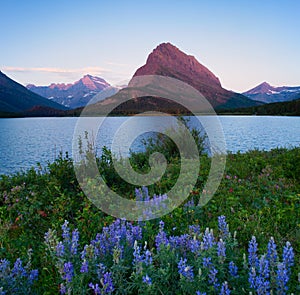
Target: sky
243,43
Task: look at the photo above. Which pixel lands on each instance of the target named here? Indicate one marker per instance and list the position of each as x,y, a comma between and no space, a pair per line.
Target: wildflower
282,279
63,289
212,277
233,269
68,272
223,227
33,276
148,257
95,288
18,269
185,270
147,280
60,249
272,252
221,250
252,277
84,267
288,255
194,245
161,237
194,230
225,289
75,239
208,239
252,249
200,293
264,267
101,269
207,262
107,283
66,231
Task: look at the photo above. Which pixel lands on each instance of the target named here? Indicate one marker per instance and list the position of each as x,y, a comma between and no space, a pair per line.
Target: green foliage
259,194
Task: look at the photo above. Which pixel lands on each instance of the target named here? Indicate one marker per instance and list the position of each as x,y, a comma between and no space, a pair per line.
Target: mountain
168,60
73,95
266,93
15,98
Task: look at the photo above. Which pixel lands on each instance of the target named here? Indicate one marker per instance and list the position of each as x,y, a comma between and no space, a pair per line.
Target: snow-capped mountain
74,95
266,93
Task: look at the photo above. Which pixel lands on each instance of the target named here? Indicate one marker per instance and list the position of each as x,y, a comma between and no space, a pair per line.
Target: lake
26,141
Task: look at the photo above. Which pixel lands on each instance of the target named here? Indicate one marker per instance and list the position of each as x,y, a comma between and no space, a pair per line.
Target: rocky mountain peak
167,60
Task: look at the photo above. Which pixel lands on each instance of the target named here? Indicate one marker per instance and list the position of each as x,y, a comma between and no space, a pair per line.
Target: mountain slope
15,98
266,93
73,95
168,60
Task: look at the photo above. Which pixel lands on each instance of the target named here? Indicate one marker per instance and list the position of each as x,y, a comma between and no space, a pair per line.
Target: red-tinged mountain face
168,60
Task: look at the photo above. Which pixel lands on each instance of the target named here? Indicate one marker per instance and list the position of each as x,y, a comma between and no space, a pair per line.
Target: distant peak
265,84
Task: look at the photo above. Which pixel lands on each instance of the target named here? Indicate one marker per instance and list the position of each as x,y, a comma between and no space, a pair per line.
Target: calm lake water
26,141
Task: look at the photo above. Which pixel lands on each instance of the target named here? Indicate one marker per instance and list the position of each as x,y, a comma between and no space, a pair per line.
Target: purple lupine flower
145,193
180,242
252,277
33,276
185,270
147,280
161,237
95,288
221,250
282,279
60,249
207,262
272,252
288,255
84,267
68,272
262,286
194,230
138,195
194,245
223,227
108,283
225,289
101,269
137,256
63,289
208,239
200,293
264,270
148,257
252,249
18,269
75,239
212,277
233,269
66,232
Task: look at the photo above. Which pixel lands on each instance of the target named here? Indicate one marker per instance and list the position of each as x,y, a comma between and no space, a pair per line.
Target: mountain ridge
15,98
267,93
75,94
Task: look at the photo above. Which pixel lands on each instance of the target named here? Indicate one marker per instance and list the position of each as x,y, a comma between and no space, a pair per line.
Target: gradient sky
242,42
